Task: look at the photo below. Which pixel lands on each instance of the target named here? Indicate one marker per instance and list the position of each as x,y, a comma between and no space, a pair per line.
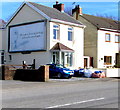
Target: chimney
78,11
59,7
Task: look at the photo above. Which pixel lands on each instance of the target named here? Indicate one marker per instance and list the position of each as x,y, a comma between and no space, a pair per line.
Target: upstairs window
117,39
70,34
56,32
107,37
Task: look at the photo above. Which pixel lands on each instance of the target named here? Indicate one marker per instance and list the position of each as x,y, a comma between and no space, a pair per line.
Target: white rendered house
45,35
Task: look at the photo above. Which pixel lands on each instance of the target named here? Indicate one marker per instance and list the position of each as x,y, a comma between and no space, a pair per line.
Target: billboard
27,37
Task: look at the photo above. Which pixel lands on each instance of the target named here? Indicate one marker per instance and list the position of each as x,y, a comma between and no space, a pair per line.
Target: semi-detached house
101,40
45,35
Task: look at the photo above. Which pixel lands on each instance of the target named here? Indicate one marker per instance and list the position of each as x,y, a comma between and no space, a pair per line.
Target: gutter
68,23
110,30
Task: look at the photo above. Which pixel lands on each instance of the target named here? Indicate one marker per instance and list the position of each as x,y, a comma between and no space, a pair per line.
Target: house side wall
90,40
2,44
26,15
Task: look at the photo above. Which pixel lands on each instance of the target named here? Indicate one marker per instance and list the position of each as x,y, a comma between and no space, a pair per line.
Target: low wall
16,72
113,72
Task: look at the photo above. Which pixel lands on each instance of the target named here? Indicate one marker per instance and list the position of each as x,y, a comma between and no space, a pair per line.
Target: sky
8,7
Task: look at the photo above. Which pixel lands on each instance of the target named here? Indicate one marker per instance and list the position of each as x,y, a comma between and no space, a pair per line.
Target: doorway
85,62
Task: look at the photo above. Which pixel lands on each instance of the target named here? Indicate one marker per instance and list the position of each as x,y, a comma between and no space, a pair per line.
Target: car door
52,70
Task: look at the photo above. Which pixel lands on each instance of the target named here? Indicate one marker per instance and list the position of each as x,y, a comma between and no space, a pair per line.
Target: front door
85,62
117,59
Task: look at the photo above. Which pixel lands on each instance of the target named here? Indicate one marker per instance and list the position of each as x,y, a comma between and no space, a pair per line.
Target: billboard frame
28,23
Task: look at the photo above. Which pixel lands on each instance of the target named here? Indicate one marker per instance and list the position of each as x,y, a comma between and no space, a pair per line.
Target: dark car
83,73
79,72
59,71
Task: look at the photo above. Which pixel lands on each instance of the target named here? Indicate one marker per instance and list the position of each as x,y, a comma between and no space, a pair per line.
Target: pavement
11,84
85,79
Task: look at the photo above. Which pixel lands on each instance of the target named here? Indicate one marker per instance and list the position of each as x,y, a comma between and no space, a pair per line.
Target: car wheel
59,75
70,77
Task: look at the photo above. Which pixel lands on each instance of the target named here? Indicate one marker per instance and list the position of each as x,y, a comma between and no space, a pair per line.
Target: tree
107,16
68,10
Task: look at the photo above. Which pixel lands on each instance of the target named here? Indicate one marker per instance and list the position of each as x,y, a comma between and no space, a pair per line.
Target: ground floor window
64,58
107,60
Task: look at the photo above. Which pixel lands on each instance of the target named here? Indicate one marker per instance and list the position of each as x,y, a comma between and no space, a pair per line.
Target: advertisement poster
28,37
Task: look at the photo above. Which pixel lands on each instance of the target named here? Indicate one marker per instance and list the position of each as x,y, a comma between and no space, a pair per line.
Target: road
92,93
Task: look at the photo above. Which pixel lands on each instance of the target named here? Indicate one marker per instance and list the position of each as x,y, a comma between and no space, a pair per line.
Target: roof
55,14
51,14
61,47
101,22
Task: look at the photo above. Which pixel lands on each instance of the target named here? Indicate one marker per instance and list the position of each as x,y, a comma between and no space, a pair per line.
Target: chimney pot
59,7
57,2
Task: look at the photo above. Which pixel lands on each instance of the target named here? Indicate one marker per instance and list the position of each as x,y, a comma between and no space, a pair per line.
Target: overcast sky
8,7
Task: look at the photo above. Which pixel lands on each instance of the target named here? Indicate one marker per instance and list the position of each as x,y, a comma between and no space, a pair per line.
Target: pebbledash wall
27,15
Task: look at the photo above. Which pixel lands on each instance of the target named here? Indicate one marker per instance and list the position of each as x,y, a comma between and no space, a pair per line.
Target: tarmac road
63,93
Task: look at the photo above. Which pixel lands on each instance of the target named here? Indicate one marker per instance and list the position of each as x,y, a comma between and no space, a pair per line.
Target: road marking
91,100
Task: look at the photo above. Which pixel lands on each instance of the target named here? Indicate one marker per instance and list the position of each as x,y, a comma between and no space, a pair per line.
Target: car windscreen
60,66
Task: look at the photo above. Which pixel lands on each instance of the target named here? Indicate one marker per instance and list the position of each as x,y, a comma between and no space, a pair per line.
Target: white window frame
70,30
117,38
56,28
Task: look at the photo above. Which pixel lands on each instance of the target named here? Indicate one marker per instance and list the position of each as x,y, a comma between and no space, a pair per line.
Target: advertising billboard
27,37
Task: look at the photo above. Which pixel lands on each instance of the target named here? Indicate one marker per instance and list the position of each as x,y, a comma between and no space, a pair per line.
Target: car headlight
65,71
68,72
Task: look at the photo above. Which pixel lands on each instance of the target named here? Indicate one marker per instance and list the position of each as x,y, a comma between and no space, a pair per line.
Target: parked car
59,71
83,73
88,73
98,74
79,72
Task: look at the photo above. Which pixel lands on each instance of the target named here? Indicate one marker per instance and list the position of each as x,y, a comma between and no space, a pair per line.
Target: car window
60,66
52,66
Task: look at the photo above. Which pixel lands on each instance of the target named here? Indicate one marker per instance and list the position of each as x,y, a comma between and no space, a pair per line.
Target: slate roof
55,14
100,22
61,47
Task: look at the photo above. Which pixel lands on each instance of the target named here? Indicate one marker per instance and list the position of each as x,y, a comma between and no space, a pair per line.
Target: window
117,39
55,57
107,37
69,57
55,31
70,34
107,60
